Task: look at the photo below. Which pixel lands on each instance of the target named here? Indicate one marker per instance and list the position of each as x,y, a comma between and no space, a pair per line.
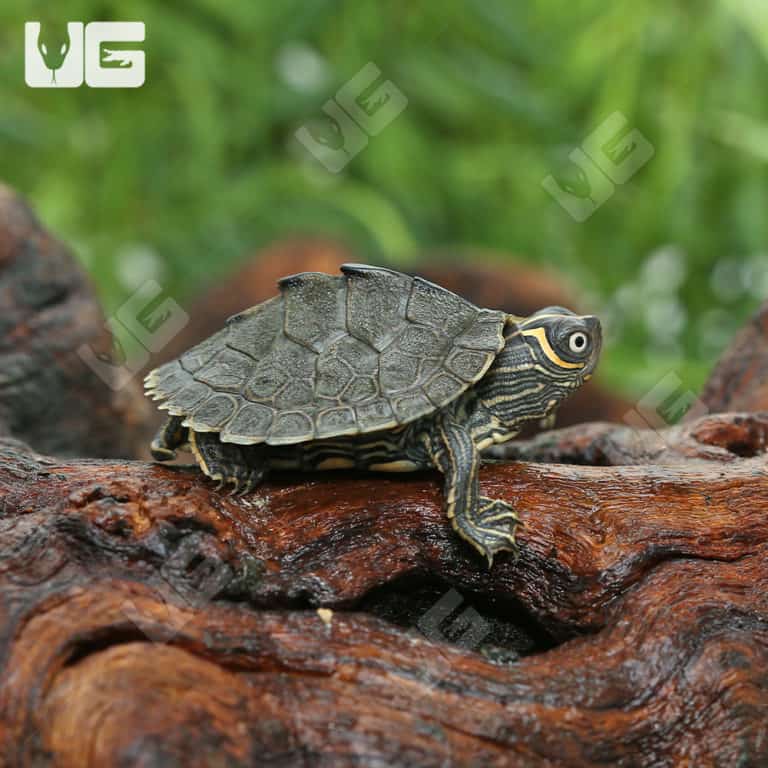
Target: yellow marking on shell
402,465
335,463
541,336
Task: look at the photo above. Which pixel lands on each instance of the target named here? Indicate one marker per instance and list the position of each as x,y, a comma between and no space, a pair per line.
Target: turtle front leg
487,524
244,466
169,437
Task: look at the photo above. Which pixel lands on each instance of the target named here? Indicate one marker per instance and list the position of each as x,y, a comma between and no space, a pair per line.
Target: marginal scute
411,407
213,414
195,358
468,365
376,303
337,421
376,415
188,399
250,425
167,380
314,311
486,334
291,427
443,388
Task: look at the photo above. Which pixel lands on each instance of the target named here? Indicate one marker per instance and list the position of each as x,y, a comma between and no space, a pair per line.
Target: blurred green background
179,179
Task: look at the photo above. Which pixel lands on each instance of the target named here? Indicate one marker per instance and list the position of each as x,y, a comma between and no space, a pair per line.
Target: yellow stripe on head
541,336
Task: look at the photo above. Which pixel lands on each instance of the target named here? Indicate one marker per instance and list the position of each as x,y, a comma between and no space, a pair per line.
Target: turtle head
567,345
546,357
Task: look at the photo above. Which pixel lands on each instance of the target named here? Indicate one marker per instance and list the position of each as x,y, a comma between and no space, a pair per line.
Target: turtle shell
331,355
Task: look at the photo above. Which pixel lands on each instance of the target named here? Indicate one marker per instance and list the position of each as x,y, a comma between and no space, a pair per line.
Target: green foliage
200,165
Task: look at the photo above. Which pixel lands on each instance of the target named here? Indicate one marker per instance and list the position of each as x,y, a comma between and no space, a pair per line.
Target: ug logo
87,53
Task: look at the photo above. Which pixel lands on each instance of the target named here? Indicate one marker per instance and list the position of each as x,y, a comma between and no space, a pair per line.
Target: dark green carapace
372,370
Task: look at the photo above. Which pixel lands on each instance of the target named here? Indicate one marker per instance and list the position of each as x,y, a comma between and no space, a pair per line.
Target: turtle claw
241,466
496,522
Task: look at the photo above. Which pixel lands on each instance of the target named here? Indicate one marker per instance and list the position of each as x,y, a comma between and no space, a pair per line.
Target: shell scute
226,371
313,310
329,356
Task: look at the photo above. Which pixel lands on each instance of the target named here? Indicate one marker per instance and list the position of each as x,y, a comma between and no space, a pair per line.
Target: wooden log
148,619
739,381
337,620
49,396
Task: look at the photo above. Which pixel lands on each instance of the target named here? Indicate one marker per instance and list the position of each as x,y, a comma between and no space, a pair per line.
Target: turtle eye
577,342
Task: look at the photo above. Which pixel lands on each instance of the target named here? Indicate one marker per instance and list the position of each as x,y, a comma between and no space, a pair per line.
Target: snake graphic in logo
53,48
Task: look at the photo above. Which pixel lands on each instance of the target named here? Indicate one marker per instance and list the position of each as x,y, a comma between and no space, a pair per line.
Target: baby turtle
372,370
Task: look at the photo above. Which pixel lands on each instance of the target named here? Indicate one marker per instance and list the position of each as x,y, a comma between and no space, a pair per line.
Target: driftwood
739,381
150,620
147,619
51,325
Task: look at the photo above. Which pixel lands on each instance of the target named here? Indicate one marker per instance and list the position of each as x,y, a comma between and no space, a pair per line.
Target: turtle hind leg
245,466
169,437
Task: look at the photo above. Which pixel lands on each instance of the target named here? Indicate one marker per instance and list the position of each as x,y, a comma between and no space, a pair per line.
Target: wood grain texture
149,620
